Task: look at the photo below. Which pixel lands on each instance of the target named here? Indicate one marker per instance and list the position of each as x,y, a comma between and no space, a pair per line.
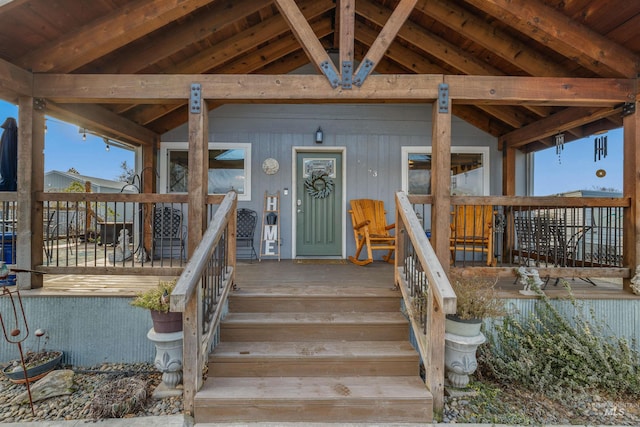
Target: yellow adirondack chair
471,231
370,229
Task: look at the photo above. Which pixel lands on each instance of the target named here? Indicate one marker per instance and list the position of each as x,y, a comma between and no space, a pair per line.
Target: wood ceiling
541,38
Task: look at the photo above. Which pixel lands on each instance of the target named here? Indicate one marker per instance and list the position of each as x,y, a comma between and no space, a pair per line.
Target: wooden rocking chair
472,231
370,229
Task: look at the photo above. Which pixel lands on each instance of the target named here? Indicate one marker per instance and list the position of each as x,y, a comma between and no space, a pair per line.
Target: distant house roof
590,193
97,184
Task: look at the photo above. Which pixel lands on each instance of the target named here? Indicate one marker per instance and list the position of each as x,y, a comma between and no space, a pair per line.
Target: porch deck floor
291,272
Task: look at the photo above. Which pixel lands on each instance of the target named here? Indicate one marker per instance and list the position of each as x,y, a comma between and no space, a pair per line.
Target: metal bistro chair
246,227
169,233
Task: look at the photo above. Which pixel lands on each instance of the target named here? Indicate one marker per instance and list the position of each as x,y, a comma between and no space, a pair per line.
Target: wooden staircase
314,353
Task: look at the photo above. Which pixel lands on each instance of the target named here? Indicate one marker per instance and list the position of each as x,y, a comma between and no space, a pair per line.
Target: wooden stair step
373,326
315,300
384,358
308,399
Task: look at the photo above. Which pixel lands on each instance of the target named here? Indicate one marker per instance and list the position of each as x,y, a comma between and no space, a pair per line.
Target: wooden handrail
426,290
188,281
201,293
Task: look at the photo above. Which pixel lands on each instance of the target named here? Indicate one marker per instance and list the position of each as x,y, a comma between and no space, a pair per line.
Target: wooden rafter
564,35
163,44
106,34
487,35
384,39
310,43
411,60
270,52
557,123
102,121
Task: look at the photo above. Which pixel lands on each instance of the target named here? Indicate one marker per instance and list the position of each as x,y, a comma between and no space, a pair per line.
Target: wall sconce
319,135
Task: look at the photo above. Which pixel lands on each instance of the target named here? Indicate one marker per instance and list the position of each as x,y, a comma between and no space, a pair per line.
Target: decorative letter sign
270,242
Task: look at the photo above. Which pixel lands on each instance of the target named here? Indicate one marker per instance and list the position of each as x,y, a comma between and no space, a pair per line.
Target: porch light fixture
106,144
319,135
83,131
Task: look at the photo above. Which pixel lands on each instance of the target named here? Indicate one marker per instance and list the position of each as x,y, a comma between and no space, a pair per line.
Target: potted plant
156,300
476,300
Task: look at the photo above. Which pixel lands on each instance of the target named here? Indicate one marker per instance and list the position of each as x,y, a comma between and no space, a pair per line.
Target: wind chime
599,148
559,145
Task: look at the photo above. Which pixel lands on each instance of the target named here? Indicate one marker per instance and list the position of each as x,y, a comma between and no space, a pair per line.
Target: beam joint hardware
195,98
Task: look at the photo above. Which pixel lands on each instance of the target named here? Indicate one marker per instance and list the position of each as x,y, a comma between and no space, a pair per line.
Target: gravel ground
78,404
511,405
490,404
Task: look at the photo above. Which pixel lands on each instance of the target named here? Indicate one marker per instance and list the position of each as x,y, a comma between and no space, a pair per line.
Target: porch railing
427,294
201,294
98,233
561,236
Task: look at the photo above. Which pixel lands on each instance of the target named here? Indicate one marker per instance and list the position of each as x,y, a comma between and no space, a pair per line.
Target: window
469,170
229,169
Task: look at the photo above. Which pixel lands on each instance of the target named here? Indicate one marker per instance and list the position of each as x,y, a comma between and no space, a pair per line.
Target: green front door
319,204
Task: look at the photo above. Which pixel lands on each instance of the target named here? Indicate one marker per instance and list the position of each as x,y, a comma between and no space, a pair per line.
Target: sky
574,169
65,149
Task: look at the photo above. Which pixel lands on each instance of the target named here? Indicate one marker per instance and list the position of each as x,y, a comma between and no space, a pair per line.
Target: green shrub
554,353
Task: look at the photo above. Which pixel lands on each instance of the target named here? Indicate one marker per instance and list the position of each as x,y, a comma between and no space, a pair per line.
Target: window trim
165,147
427,149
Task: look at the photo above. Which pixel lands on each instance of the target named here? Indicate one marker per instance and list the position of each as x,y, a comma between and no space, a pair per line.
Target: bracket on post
347,74
195,98
443,98
365,69
39,104
628,108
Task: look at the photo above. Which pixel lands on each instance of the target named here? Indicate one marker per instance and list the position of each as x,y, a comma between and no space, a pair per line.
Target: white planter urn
460,357
168,361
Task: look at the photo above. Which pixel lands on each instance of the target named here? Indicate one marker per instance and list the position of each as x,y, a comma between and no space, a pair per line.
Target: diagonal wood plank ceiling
542,38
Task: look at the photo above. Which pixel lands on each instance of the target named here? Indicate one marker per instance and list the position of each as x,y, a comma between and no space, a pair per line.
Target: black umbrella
9,156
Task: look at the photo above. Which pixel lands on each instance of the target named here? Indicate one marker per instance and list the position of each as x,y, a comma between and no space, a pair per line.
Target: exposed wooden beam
561,91
104,122
564,35
178,116
247,64
384,39
490,37
437,47
309,41
106,34
161,89
559,122
419,64
243,42
165,43
14,82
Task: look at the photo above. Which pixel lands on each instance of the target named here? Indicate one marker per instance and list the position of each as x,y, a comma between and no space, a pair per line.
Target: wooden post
198,176
147,186
441,184
508,189
631,188
30,238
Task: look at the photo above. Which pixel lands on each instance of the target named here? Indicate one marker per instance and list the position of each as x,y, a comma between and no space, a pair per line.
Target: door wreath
318,185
